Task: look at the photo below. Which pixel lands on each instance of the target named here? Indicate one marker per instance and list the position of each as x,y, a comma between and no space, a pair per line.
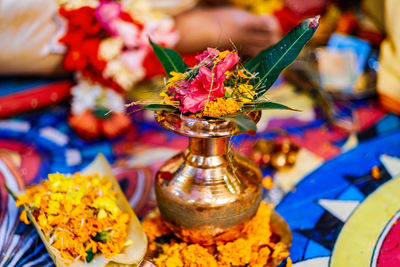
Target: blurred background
65,64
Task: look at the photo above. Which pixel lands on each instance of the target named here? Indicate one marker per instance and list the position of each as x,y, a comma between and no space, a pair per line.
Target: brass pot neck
208,146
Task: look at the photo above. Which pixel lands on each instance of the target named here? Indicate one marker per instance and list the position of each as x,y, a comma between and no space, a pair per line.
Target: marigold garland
79,215
254,247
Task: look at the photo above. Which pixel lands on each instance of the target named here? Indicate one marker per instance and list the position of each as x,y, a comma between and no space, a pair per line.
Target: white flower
161,31
137,9
75,4
115,102
84,96
122,75
110,48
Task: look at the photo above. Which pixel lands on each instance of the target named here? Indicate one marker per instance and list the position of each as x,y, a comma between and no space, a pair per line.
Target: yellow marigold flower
243,75
260,6
267,182
54,207
23,217
200,255
102,214
223,54
175,76
220,107
78,213
253,248
235,253
246,90
154,228
289,262
107,204
37,200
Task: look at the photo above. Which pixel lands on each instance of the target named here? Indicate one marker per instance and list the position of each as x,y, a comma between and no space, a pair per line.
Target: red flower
89,126
73,38
82,18
74,60
90,48
115,125
85,124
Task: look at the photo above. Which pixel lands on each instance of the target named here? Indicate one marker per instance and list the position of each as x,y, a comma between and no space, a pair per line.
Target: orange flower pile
253,248
78,214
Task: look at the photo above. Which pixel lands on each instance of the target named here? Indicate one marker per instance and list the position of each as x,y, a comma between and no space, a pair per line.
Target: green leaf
89,256
164,239
243,122
161,107
12,194
170,59
102,237
102,113
270,62
265,105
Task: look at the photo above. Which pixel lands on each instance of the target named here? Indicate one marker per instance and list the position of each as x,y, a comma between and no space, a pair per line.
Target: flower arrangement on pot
220,86
207,193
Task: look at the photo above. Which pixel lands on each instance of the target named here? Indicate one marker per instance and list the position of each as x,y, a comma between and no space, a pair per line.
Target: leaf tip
314,22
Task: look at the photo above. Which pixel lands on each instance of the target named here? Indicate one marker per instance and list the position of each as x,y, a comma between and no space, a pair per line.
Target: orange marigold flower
220,107
254,247
79,214
23,217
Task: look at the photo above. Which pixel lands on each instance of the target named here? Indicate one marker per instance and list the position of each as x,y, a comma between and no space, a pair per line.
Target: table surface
325,206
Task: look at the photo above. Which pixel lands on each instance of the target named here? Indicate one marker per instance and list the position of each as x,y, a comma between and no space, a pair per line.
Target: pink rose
208,54
209,83
228,62
160,33
191,101
133,59
107,12
128,32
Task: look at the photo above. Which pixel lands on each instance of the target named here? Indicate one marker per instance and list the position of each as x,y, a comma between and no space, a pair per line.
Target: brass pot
208,192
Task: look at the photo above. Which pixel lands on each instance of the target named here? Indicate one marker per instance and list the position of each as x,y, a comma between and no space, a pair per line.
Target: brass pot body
208,192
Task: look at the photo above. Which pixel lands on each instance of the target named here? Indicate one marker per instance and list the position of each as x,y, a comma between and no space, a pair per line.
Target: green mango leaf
243,122
170,59
12,194
161,107
270,62
265,105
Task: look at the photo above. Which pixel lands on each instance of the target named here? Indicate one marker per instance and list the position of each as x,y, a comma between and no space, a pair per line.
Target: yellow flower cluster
78,214
253,248
220,107
182,254
246,91
260,6
175,77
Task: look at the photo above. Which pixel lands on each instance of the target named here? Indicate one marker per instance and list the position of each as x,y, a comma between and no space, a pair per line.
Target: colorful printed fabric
41,142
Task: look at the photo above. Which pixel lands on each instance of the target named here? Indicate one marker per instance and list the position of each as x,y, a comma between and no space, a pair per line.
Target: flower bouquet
106,46
84,219
208,193
220,86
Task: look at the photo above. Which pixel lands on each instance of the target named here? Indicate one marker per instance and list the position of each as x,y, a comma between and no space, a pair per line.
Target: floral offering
256,245
107,45
79,215
222,86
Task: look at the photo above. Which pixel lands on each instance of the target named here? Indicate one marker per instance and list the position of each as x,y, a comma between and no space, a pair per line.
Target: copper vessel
208,192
